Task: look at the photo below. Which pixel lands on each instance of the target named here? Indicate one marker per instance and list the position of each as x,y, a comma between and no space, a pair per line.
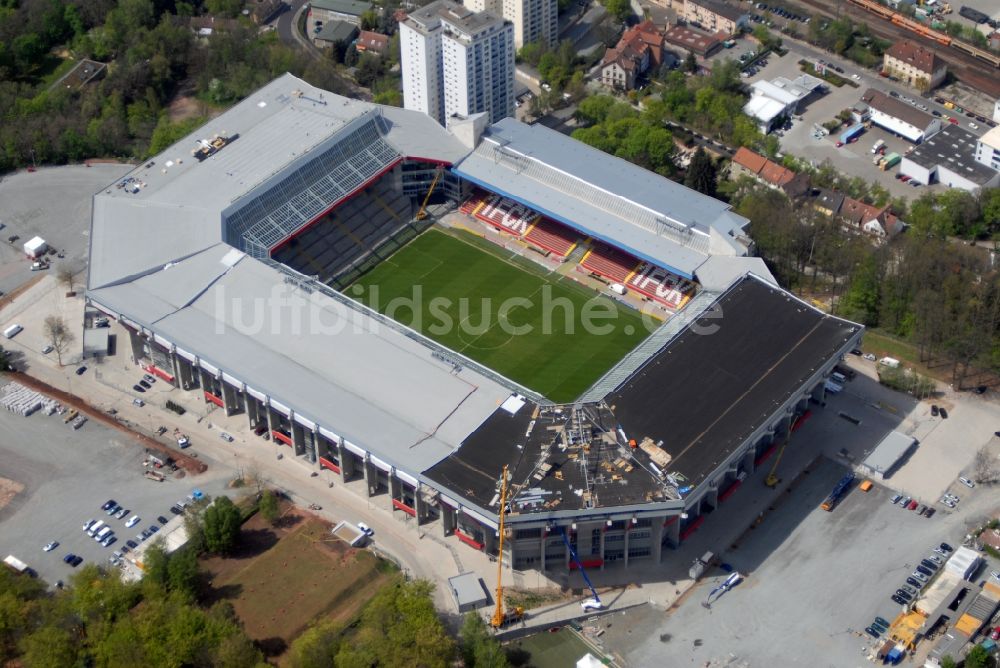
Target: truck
838,491
877,145
851,133
153,475
890,161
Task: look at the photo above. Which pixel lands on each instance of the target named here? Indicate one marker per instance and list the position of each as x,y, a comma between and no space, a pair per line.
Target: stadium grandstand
224,259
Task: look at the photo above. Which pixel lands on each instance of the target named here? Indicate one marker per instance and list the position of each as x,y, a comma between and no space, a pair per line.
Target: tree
985,471
479,648
268,506
222,522
948,662
701,173
182,572
49,646
67,277
619,9
690,63
58,335
155,565
977,657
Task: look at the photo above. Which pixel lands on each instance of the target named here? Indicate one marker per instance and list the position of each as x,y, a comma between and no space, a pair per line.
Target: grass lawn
283,579
561,649
526,324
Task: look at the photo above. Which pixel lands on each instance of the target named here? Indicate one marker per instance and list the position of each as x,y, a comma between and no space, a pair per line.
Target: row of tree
924,287
151,52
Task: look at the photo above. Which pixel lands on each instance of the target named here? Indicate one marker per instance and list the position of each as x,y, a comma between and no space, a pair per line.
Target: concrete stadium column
136,344
656,538
175,364
449,519
371,477
185,374
748,461
346,460
230,399
395,488
712,497
628,530
603,534
205,380
490,540
253,414
819,393
298,436
269,418
418,507
541,556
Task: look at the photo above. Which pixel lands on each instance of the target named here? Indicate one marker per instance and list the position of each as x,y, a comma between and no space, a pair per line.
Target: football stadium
420,307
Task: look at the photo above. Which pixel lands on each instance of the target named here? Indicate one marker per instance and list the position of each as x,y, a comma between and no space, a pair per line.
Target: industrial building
949,158
888,455
773,101
223,258
899,118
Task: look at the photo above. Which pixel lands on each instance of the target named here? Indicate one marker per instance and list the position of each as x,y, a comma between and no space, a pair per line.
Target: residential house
916,65
879,223
639,49
372,42
748,163
715,16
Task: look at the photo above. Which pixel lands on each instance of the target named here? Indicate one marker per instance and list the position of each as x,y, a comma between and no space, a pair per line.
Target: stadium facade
222,255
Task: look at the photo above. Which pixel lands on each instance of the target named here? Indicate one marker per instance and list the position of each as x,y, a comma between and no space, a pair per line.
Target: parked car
225,436
148,378
153,529
132,544
882,622
913,582
81,370
47,349
946,547
50,546
912,505
925,571
109,540
930,512
138,402
944,413
917,575
161,519
934,410
114,509
132,521
145,384
108,504
121,513
139,388
965,481
895,499
365,529
872,632
921,509
899,599
905,595
929,565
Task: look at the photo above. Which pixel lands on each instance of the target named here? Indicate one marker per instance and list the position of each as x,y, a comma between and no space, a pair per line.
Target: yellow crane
430,191
772,479
500,617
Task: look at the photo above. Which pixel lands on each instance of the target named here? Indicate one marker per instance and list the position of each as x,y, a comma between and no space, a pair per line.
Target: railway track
965,67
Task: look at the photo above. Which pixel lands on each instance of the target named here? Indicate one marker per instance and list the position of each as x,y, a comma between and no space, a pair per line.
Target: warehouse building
891,452
949,158
900,118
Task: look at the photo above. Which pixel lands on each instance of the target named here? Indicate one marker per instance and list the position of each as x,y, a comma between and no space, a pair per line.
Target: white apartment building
988,149
534,20
457,62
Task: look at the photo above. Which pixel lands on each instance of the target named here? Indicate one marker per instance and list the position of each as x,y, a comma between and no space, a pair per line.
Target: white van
838,377
102,534
833,388
95,528
12,331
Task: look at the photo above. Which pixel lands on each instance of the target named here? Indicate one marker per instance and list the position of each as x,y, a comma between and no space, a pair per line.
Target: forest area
932,286
153,55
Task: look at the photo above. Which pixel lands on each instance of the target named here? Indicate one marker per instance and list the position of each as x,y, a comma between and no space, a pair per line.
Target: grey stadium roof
609,198
178,207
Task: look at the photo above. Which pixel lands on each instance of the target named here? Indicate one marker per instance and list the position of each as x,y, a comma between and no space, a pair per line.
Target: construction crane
430,191
501,617
772,479
593,603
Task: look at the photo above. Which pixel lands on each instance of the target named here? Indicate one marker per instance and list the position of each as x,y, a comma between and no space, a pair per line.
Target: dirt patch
188,463
8,490
20,290
284,577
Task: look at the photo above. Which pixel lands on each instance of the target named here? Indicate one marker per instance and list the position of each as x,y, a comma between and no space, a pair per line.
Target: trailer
154,475
852,132
838,491
15,564
890,161
35,248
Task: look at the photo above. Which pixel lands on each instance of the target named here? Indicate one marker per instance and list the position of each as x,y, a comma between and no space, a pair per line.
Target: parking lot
814,581
67,475
55,204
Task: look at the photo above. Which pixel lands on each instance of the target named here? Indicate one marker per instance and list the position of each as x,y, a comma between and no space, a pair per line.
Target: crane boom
499,616
422,213
579,565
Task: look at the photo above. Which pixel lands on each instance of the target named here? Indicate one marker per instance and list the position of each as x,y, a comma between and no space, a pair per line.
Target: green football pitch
539,329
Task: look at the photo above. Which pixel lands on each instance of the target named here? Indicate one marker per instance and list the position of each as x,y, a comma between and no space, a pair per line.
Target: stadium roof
611,199
703,395
373,385
172,206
